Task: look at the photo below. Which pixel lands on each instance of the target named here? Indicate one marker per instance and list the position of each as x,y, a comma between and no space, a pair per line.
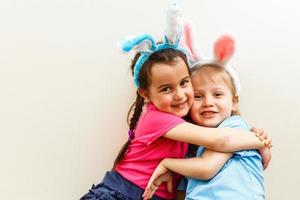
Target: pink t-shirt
149,147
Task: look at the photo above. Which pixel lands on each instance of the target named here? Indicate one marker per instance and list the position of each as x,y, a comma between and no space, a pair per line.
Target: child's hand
263,136
265,154
161,174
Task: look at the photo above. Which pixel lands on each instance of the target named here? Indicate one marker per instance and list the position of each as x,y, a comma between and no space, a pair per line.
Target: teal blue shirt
240,178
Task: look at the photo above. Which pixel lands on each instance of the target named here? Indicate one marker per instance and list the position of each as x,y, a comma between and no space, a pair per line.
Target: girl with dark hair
161,73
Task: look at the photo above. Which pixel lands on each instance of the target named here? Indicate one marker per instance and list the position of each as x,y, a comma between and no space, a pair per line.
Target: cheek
227,107
190,94
165,100
191,91
195,109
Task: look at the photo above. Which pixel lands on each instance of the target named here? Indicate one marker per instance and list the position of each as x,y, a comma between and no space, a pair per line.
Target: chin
210,124
182,114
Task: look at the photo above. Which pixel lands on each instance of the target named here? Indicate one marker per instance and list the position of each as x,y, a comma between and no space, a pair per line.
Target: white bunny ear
140,43
174,25
224,49
190,43
144,45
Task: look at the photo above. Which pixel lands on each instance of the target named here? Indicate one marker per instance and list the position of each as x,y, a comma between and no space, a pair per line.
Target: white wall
65,88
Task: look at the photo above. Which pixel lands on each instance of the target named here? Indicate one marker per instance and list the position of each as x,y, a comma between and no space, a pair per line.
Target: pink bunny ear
189,42
224,48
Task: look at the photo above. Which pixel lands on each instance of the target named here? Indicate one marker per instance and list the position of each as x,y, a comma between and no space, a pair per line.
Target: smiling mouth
208,113
179,105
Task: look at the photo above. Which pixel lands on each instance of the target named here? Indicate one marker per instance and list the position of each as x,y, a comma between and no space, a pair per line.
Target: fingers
146,194
153,186
150,190
151,194
159,176
265,165
266,156
260,133
170,186
256,130
263,136
267,141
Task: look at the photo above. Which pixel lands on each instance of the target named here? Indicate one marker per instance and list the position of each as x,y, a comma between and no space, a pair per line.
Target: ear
189,41
143,93
235,102
174,25
224,49
140,43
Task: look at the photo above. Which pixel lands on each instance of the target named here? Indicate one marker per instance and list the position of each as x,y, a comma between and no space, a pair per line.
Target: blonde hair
214,72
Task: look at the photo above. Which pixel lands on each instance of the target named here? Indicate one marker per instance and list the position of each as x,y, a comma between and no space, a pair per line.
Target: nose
207,101
179,94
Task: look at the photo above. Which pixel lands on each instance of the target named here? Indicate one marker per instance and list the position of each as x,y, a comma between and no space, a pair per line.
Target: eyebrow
197,91
215,88
168,84
164,85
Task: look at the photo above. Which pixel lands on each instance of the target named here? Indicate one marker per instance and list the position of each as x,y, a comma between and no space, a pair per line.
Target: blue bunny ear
143,42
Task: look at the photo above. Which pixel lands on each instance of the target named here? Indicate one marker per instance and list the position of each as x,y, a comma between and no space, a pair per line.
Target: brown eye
184,82
166,89
197,97
218,94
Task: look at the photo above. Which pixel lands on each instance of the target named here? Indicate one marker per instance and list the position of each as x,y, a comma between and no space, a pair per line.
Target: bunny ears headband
146,45
224,48
181,37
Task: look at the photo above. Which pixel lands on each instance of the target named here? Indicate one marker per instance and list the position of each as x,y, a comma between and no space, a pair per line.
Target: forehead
201,79
163,73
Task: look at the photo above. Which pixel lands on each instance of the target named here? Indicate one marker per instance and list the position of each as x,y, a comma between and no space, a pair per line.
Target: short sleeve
234,122
238,123
155,124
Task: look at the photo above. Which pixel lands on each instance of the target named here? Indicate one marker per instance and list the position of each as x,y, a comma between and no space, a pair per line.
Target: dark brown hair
167,56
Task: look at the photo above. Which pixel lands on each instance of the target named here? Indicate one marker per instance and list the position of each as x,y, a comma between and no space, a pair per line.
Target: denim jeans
115,187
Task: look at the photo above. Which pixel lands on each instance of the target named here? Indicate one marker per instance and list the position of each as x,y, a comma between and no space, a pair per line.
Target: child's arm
204,167
218,139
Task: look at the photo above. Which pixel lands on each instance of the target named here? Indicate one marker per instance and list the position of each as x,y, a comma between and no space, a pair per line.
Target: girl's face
170,89
213,101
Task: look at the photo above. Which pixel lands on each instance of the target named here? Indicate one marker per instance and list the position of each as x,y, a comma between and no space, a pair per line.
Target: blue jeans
115,187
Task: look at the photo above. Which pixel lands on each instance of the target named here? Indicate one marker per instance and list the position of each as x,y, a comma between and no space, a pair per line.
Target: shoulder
154,120
159,117
234,122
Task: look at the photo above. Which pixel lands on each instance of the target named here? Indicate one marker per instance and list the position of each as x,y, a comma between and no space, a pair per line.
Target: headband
146,45
224,48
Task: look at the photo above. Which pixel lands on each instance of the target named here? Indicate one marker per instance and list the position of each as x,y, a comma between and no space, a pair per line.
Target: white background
65,87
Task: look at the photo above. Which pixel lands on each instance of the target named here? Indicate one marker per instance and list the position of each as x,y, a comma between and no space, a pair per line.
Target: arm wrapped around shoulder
217,139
